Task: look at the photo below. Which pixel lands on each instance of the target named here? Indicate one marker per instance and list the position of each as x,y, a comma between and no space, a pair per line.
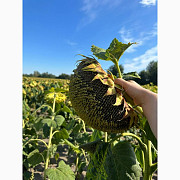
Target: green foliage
149,75
96,135
38,74
130,75
59,136
34,158
152,72
62,172
113,53
151,87
59,119
96,169
91,147
64,76
116,49
118,163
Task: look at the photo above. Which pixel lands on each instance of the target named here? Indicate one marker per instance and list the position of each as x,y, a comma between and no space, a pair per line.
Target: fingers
121,82
133,89
125,84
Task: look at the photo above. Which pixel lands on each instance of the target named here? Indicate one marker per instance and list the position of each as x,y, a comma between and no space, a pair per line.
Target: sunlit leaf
59,120
116,49
62,172
99,53
131,75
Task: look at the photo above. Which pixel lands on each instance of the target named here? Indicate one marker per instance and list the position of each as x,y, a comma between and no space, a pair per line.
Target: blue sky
55,31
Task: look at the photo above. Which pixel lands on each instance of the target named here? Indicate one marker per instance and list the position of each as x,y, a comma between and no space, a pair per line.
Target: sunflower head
60,97
97,100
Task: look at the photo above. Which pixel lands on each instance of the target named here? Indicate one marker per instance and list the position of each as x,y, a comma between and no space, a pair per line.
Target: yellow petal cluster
59,97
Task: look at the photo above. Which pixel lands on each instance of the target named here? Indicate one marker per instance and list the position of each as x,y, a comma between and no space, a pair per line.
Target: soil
70,160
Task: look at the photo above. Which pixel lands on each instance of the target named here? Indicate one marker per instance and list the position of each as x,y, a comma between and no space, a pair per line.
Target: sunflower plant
129,147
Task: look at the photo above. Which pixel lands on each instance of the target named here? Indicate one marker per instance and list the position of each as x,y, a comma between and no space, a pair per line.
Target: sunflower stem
118,69
105,138
50,138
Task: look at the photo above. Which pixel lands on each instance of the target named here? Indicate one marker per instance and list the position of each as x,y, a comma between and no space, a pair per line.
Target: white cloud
139,63
92,8
71,43
126,37
148,2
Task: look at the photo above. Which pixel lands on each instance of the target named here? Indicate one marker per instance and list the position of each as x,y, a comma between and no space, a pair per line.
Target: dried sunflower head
97,100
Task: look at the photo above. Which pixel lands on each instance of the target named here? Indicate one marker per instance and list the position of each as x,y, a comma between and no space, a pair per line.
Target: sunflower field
57,144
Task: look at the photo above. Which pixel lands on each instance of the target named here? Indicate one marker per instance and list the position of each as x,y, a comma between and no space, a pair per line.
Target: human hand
144,98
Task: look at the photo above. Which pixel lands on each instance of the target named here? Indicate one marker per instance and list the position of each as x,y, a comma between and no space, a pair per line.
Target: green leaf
116,49
62,172
66,109
46,130
52,149
60,90
99,53
64,134
57,138
96,170
26,175
121,163
34,158
117,163
75,148
53,124
44,153
38,124
77,128
154,154
139,156
56,156
90,147
70,125
113,53
150,134
47,121
130,75
59,120
96,135
81,166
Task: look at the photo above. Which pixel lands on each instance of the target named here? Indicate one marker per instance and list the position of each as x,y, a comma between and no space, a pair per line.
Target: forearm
150,110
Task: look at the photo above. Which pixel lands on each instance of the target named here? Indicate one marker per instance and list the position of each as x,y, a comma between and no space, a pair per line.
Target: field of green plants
58,144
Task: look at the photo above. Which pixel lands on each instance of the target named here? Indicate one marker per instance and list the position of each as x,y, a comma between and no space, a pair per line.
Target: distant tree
47,75
114,71
152,72
43,75
64,76
36,74
148,75
26,75
144,78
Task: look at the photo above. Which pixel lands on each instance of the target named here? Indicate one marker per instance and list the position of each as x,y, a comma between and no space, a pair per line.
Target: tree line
148,75
48,75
